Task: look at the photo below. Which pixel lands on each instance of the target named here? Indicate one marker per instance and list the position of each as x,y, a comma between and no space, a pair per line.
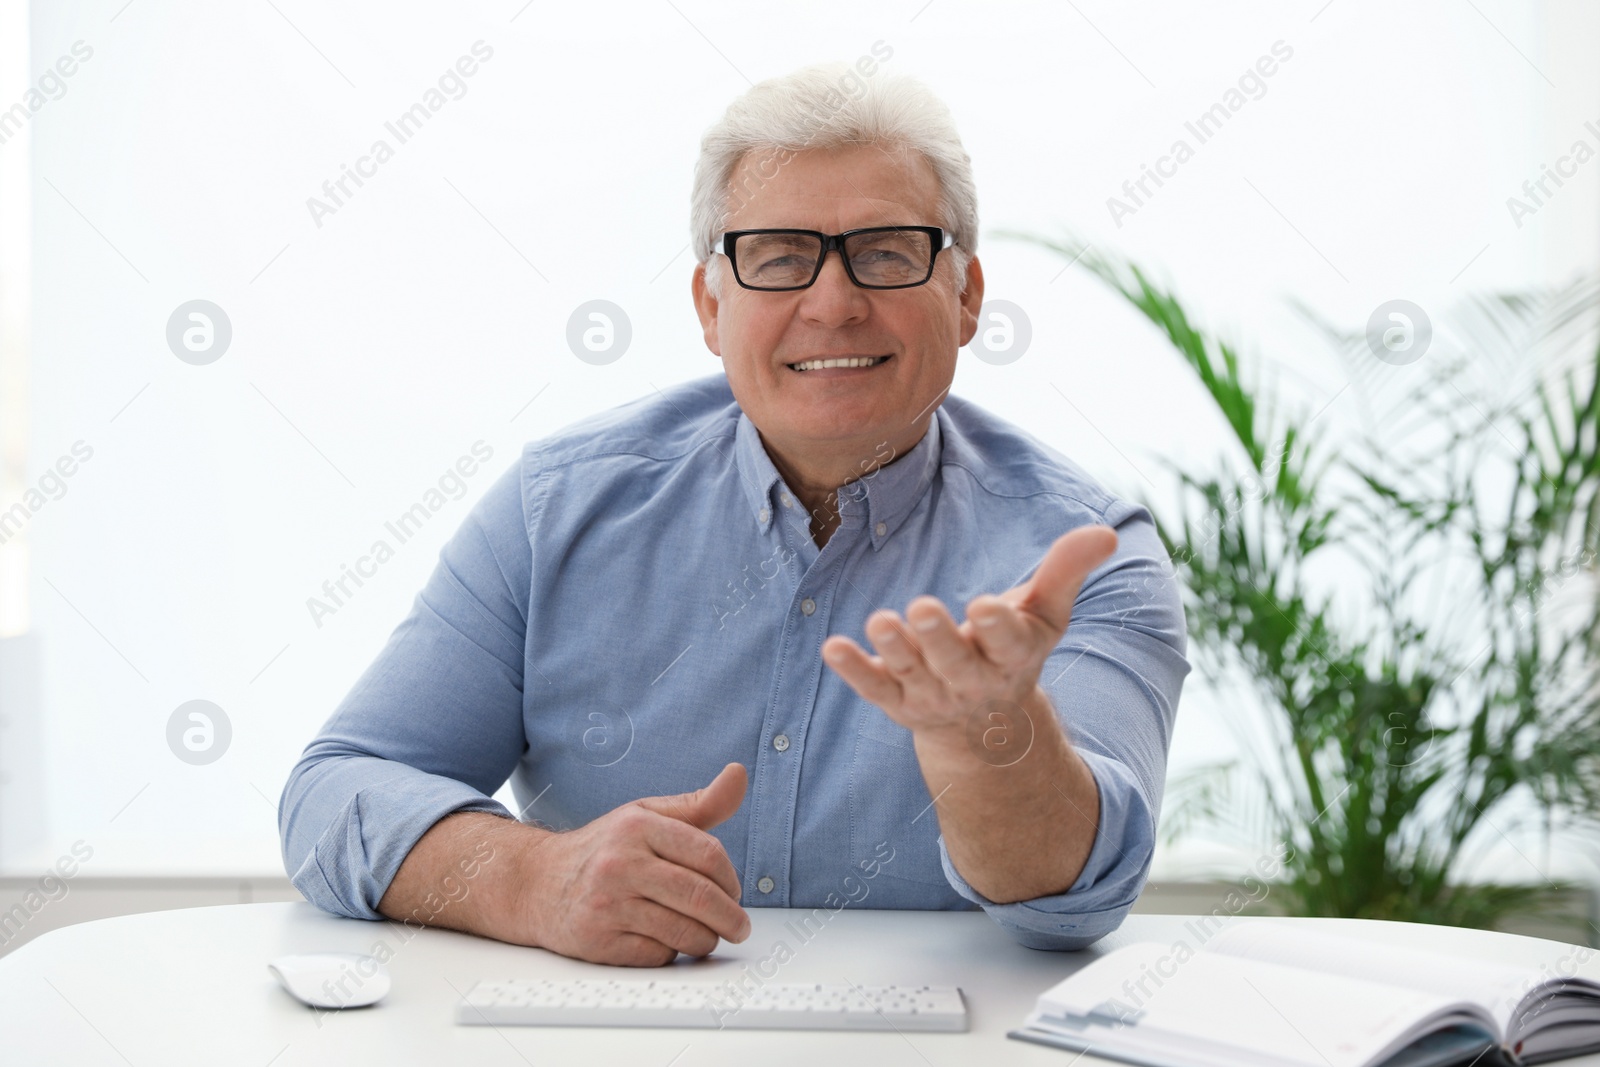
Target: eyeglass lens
884,257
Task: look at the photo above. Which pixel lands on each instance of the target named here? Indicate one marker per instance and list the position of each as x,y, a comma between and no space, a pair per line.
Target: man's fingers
707,807
1054,586
1001,630
720,799
694,850
634,950
675,930
866,674
692,894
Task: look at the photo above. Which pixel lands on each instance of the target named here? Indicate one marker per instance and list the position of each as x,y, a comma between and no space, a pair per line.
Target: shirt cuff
355,859
1111,879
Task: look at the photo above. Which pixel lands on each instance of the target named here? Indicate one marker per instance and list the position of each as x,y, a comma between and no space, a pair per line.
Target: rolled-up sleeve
433,726
1114,682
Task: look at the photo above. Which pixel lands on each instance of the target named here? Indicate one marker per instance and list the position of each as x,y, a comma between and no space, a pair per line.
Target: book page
1495,986
1155,1004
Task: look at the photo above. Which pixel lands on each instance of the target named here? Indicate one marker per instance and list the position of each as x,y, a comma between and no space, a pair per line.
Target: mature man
665,596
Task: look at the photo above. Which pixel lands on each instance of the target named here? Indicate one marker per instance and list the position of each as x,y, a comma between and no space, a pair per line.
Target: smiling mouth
840,364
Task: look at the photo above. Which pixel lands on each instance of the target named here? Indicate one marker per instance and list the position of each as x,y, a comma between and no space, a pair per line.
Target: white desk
181,987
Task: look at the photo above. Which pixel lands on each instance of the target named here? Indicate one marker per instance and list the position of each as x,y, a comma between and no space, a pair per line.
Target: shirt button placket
780,743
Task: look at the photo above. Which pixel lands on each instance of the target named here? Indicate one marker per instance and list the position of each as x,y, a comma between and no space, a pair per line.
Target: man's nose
833,298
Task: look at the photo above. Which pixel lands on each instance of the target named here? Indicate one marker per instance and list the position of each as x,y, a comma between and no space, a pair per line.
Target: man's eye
783,268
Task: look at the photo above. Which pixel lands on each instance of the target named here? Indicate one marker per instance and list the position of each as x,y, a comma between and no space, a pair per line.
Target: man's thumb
705,808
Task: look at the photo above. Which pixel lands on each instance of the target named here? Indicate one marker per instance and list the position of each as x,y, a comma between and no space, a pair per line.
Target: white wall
371,351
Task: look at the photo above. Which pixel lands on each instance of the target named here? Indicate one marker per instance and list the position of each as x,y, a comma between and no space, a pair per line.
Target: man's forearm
462,874
1019,829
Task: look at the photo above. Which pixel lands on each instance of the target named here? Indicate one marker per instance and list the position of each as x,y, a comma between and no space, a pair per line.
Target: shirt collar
890,492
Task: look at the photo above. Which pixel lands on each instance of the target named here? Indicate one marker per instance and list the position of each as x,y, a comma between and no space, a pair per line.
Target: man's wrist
1014,768
462,874
517,905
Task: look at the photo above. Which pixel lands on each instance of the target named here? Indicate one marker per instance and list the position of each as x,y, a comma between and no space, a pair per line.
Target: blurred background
221,376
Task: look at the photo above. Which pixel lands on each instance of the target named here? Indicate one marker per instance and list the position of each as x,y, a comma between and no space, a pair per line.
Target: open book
1276,994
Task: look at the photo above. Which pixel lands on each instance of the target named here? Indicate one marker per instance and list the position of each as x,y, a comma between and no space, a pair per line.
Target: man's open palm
931,673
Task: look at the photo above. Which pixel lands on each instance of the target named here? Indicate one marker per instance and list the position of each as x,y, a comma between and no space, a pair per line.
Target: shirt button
765,885
781,742
882,528
786,501
762,515
807,606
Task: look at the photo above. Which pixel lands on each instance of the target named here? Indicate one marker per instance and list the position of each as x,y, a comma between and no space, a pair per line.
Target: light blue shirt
638,602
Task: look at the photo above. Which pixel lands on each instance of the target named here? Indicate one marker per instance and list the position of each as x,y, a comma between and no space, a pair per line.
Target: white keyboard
707,1005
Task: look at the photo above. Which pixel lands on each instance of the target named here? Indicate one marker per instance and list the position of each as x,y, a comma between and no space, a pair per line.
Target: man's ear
971,300
706,306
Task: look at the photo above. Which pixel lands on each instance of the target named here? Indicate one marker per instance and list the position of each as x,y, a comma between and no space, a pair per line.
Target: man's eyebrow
908,221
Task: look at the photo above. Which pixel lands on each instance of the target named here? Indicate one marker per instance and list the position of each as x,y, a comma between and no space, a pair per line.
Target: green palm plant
1395,744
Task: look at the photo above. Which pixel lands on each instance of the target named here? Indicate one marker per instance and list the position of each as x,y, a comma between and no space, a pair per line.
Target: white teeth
818,364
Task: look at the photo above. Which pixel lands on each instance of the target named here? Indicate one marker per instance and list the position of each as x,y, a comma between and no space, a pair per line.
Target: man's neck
817,484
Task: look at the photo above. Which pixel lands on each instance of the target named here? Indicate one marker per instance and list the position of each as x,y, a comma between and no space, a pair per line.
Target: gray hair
829,105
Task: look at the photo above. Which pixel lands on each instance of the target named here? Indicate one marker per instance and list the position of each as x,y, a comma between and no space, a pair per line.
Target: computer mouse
332,979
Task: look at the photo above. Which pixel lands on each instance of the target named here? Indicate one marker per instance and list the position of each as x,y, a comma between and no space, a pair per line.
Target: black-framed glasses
877,257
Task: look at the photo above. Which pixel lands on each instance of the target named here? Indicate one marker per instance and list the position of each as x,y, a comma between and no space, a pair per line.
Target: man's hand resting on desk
634,887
